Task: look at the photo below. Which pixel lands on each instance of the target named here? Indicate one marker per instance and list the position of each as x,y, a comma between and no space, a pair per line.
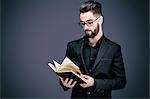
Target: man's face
90,24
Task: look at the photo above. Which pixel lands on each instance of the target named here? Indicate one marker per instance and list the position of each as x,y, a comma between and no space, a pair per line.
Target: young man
99,59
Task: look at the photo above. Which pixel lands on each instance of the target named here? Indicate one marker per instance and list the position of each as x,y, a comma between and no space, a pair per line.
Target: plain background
36,31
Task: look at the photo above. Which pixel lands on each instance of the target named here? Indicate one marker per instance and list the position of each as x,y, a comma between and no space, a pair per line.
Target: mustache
88,30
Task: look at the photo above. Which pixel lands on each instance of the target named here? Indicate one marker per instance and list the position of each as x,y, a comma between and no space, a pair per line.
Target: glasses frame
89,24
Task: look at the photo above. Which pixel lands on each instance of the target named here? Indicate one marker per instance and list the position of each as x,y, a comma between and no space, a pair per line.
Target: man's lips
88,31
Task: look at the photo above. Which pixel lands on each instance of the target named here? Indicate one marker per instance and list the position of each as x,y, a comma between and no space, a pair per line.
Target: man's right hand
68,82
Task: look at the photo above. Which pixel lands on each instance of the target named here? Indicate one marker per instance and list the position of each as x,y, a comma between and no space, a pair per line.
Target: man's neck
93,41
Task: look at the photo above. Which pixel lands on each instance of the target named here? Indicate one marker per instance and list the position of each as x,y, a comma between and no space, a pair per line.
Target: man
99,59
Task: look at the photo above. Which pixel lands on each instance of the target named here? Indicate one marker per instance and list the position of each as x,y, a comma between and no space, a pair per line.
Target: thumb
61,79
84,76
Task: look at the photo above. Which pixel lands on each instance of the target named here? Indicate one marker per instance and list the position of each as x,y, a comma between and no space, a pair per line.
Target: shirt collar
86,41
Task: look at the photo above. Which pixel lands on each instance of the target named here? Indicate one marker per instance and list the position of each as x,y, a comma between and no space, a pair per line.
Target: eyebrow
86,20
89,20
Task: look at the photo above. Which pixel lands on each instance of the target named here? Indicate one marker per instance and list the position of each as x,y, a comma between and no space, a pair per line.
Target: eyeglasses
88,22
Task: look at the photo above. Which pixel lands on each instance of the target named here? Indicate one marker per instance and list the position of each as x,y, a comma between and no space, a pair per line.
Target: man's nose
85,27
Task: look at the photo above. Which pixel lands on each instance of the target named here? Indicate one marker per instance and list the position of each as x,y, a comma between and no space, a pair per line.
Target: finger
83,85
85,76
73,84
70,81
62,80
66,80
81,75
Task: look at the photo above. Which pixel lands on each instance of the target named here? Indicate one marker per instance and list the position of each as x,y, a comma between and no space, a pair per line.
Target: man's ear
101,19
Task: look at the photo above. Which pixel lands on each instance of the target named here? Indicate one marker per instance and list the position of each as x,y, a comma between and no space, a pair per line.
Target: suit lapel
103,48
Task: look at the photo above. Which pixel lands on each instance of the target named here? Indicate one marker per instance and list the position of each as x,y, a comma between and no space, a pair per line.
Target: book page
70,67
52,66
68,61
57,65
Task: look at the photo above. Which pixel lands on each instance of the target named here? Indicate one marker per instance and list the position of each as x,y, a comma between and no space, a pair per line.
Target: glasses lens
88,23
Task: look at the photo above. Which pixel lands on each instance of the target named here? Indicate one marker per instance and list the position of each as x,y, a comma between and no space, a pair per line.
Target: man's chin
89,36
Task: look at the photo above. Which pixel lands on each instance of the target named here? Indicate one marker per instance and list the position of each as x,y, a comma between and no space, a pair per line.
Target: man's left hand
89,81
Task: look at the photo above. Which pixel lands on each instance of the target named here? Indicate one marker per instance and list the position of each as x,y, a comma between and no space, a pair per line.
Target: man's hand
89,81
68,82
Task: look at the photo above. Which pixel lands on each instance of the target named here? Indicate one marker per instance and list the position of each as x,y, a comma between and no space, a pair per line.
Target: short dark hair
92,6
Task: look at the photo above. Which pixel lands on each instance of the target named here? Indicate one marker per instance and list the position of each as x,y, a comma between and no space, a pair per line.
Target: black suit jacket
108,70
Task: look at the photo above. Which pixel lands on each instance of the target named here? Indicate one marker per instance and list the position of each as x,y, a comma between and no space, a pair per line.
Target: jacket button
98,90
88,93
90,70
102,91
91,58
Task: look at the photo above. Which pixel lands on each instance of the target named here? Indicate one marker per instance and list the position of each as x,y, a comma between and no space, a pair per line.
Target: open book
67,70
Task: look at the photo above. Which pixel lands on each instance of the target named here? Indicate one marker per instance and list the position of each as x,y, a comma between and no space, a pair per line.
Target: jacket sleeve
118,80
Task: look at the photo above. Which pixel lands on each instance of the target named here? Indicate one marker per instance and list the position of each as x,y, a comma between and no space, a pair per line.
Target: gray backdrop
36,31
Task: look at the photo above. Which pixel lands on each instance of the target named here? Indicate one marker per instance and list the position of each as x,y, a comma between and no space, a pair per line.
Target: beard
93,33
